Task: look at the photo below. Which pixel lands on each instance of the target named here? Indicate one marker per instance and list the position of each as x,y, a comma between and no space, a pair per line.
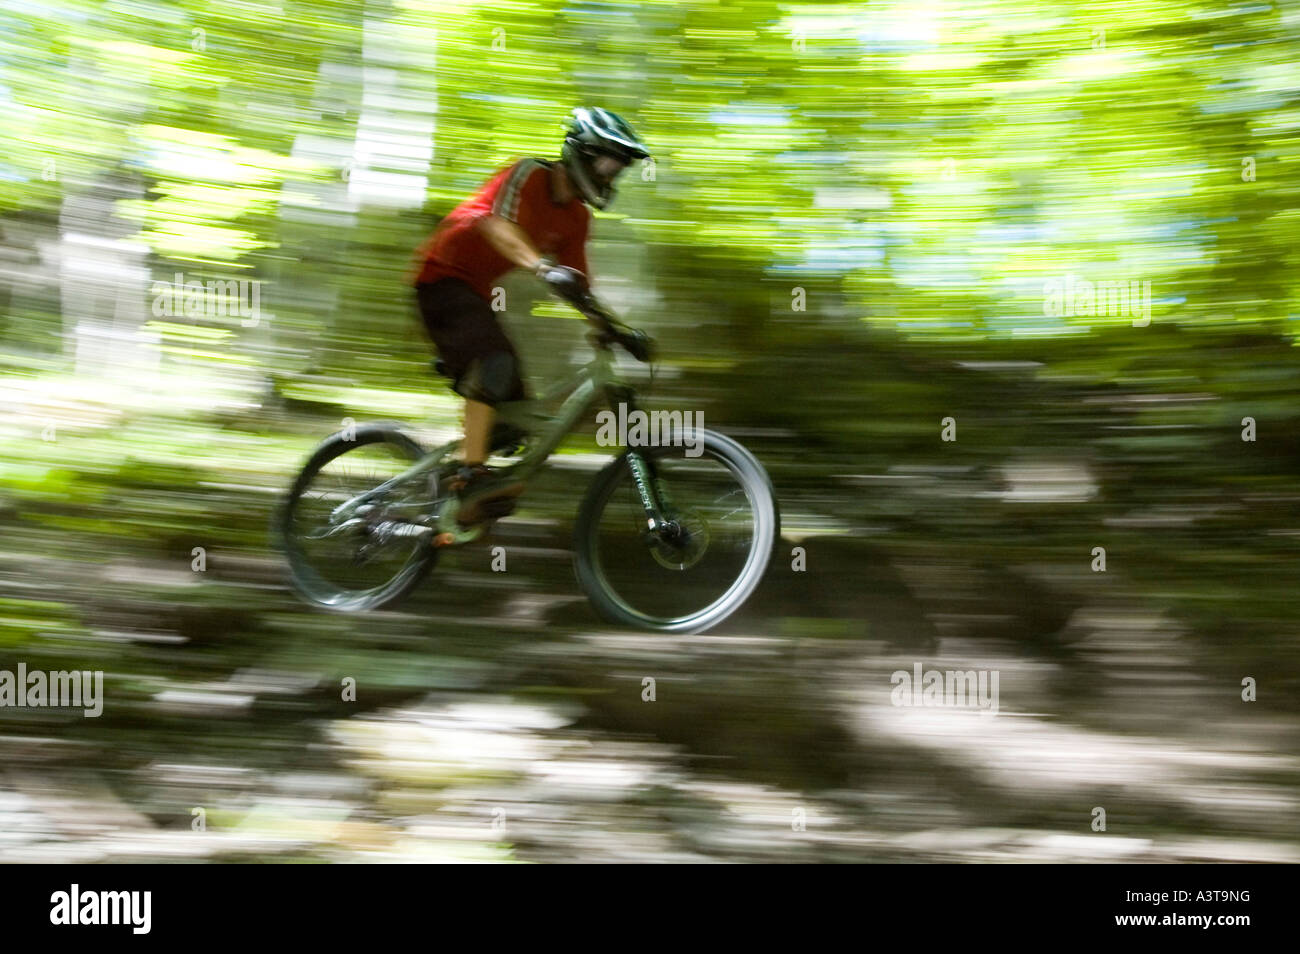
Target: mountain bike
672,537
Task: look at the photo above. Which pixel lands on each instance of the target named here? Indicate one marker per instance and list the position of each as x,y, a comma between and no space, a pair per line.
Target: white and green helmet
593,133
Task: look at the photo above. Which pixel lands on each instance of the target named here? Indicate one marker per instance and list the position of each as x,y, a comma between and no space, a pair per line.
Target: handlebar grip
638,344
634,341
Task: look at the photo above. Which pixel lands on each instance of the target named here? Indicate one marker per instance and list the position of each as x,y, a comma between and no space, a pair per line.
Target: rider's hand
638,344
568,283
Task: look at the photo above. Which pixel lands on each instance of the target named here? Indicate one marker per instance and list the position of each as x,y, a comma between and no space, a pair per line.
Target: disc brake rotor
687,551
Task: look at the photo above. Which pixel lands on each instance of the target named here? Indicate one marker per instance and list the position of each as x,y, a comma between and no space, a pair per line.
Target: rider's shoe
485,494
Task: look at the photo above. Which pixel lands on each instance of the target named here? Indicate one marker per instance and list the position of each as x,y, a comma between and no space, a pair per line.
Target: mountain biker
530,215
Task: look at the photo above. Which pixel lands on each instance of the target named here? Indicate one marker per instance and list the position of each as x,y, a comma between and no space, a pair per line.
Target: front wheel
725,522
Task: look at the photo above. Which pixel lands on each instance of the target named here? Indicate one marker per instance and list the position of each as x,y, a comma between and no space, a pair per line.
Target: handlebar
609,330
571,285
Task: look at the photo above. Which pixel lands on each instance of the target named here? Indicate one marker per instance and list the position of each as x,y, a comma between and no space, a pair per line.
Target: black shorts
475,352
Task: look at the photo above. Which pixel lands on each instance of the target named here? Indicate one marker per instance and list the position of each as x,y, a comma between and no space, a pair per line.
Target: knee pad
492,379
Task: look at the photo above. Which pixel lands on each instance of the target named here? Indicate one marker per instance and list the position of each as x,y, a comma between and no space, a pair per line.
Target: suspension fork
650,488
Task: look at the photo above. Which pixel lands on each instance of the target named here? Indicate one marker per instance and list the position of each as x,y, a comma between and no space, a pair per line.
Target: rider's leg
478,425
490,379
477,355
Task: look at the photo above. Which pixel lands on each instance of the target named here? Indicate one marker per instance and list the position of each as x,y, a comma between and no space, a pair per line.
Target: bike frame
592,382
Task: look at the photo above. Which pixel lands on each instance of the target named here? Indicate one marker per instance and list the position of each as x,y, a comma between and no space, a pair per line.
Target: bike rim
354,567
682,589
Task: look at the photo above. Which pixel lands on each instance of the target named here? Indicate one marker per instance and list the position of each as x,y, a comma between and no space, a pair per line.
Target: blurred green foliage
848,234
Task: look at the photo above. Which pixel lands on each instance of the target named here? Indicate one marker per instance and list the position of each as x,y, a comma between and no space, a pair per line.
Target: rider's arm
526,185
510,241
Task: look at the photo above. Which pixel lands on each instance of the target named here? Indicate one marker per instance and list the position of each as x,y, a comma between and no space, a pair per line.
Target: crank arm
457,534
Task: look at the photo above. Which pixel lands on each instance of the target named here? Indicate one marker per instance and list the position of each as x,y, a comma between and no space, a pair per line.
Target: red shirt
521,193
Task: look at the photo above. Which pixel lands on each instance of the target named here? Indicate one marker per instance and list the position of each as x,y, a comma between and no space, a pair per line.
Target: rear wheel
725,522
362,556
